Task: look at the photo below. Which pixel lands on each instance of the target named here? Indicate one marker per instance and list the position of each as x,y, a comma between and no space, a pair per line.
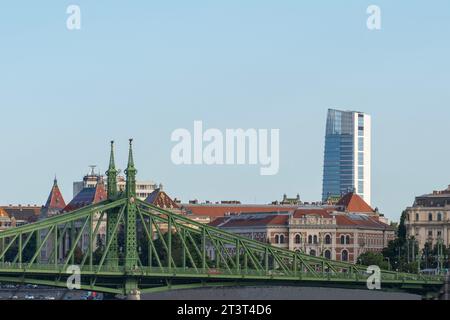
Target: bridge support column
131,290
445,290
134,295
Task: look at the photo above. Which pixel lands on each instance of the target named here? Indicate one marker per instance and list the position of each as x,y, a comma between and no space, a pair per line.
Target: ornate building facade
331,232
428,219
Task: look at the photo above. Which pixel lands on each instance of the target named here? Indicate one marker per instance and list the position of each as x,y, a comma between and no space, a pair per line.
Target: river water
278,293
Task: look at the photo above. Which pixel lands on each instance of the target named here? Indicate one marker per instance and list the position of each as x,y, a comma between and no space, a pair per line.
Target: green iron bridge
176,255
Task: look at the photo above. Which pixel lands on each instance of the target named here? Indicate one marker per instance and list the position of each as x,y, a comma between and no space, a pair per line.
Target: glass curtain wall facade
347,155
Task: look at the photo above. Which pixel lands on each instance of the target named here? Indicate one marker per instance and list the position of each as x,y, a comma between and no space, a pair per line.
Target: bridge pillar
134,295
132,290
445,290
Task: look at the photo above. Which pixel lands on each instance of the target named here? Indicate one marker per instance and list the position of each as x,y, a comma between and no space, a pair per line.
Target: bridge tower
112,259
131,252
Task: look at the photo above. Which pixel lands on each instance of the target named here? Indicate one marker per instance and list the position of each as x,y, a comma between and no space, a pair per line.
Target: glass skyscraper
347,160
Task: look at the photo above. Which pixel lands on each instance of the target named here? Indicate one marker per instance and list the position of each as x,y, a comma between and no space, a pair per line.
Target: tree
402,233
395,253
373,259
78,255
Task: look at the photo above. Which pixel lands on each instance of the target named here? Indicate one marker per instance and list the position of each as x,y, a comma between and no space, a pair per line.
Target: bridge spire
130,173
112,175
131,254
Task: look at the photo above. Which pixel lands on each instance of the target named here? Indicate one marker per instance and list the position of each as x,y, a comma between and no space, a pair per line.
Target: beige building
143,188
428,220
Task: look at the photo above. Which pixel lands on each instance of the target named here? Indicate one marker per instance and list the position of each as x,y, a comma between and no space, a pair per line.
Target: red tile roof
251,220
354,203
25,213
160,199
343,220
301,212
360,221
55,200
217,210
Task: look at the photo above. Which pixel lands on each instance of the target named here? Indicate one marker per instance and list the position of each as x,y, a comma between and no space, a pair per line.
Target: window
430,217
344,256
342,239
316,241
361,159
313,253
361,131
327,254
327,239
360,144
360,120
298,239
281,239
277,239
360,187
439,217
361,173
347,240
417,217
310,239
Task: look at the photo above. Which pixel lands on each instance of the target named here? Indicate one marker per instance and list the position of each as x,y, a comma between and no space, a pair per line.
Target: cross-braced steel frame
148,249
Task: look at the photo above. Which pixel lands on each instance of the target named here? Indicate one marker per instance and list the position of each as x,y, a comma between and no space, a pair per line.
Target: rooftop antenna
92,169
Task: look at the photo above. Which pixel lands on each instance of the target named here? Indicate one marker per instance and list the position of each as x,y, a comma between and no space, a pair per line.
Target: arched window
342,239
310,239
347,240
327,254
281,239
430,217
344,256
327,239
316,240
439,217
277,239
298,239
313,253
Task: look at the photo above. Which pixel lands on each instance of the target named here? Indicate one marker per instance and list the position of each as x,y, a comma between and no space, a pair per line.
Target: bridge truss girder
181,253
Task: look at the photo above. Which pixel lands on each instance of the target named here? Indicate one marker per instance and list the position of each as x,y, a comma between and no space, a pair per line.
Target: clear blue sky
145,69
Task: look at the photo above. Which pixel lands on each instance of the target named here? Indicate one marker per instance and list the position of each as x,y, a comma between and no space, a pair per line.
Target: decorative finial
112,175
130,157
112,164
130,173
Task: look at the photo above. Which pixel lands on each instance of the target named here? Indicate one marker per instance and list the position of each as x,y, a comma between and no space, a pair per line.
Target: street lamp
389,262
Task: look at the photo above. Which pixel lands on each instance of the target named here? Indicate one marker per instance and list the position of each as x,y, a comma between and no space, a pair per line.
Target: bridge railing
216,273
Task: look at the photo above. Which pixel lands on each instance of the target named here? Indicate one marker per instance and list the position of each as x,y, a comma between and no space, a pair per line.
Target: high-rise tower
347,160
